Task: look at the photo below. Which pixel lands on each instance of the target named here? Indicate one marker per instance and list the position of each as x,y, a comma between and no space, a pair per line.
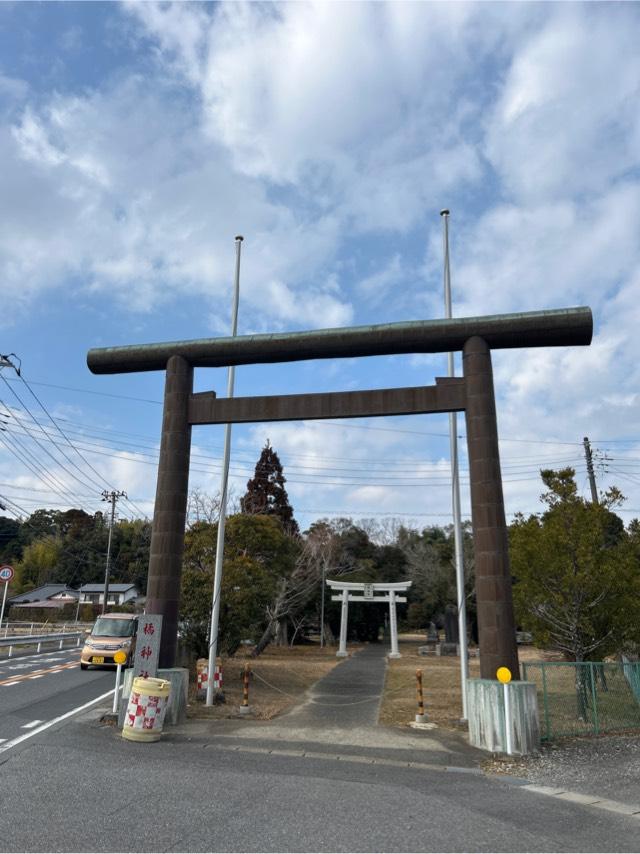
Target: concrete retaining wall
485,700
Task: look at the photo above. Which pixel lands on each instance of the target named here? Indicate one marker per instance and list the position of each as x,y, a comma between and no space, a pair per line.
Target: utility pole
455,488
322,606
217,578
590,472
112,496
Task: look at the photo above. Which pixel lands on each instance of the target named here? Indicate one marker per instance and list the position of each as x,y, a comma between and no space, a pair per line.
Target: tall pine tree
266,494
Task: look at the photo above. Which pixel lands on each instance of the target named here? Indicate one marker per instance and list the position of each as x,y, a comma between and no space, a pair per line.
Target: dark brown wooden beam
448,395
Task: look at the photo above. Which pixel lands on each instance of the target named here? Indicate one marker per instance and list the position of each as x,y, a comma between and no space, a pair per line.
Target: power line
35,438
103,480
346,424
368,466
43,475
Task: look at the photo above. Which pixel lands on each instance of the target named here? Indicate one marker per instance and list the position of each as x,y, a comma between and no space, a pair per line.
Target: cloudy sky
137,140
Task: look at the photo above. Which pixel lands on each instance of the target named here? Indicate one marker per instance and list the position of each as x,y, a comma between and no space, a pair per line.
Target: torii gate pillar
169,517
496,624
344,619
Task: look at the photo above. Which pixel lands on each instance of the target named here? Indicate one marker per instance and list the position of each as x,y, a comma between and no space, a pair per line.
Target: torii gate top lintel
553,328
377,586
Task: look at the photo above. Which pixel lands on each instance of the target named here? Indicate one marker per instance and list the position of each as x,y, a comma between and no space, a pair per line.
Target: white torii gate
348,593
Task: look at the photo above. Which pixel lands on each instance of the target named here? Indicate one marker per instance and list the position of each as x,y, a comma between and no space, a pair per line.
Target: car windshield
105,628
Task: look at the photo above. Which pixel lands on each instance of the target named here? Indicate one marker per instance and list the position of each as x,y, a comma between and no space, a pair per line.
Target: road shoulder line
631,810
48,724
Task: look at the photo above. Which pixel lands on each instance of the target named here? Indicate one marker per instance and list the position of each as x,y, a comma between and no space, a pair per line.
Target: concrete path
348,696
339,717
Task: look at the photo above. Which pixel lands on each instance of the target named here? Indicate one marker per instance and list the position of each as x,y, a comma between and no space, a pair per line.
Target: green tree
39,562
430,559
257,555
577,583
266,494
10,545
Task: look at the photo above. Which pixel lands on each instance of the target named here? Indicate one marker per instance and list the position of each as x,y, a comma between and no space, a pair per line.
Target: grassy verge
280,678
440,683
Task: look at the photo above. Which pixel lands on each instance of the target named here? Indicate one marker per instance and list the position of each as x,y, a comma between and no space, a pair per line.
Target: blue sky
138,139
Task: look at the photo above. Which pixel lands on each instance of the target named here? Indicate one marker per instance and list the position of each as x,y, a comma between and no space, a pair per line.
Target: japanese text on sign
148,645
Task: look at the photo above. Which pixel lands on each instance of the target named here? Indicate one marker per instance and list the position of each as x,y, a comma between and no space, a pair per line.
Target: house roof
113,588
51,604
42,593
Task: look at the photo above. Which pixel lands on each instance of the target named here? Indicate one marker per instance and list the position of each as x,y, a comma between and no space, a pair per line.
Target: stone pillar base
341,654
485,701
394,655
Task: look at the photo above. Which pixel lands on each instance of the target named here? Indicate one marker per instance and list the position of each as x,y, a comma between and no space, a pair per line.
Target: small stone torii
348,593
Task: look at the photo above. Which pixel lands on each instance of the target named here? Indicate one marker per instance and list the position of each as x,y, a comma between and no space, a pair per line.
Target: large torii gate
472,394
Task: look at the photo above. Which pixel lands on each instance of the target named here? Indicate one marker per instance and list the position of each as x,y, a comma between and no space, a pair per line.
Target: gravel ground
607,766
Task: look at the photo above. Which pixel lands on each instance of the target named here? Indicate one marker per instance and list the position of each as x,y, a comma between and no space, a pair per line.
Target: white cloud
565,122
119,189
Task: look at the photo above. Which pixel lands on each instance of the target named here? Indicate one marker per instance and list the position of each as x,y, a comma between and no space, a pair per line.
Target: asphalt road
38,688
90,790
305,782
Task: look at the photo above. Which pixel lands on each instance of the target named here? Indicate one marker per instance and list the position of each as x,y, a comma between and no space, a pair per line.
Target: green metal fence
585,698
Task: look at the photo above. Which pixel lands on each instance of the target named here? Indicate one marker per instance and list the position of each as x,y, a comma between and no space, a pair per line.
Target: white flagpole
217,581
455,489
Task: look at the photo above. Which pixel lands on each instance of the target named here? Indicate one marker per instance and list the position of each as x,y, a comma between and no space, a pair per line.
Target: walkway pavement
338,720
339,716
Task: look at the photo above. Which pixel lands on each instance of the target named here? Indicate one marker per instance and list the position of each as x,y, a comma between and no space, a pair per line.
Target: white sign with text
147,645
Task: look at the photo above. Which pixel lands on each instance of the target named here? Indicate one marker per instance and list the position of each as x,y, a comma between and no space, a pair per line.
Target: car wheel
83,666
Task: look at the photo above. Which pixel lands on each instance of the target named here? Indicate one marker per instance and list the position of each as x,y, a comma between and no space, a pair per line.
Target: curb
631,810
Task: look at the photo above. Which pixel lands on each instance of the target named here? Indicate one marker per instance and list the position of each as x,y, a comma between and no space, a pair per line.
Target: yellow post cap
504,675
120,657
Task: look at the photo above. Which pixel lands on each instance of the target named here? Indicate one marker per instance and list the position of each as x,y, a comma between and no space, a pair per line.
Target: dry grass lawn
280,678
440,685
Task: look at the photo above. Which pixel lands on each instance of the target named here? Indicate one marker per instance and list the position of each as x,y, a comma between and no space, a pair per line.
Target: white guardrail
38,640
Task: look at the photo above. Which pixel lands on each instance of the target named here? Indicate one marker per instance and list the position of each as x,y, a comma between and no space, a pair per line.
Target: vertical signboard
147,645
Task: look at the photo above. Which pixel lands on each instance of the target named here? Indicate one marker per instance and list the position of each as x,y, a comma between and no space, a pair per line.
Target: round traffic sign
120,657
6,573
504,675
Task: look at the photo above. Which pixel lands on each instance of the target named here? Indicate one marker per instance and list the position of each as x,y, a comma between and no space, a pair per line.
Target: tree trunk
329,637
265,640
582,695
282,632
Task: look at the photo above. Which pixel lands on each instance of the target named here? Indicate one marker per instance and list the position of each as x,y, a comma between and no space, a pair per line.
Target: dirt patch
279,680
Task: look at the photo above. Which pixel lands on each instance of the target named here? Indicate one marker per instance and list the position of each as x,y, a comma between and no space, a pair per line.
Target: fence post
545,701
245,708
421,718
594,698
